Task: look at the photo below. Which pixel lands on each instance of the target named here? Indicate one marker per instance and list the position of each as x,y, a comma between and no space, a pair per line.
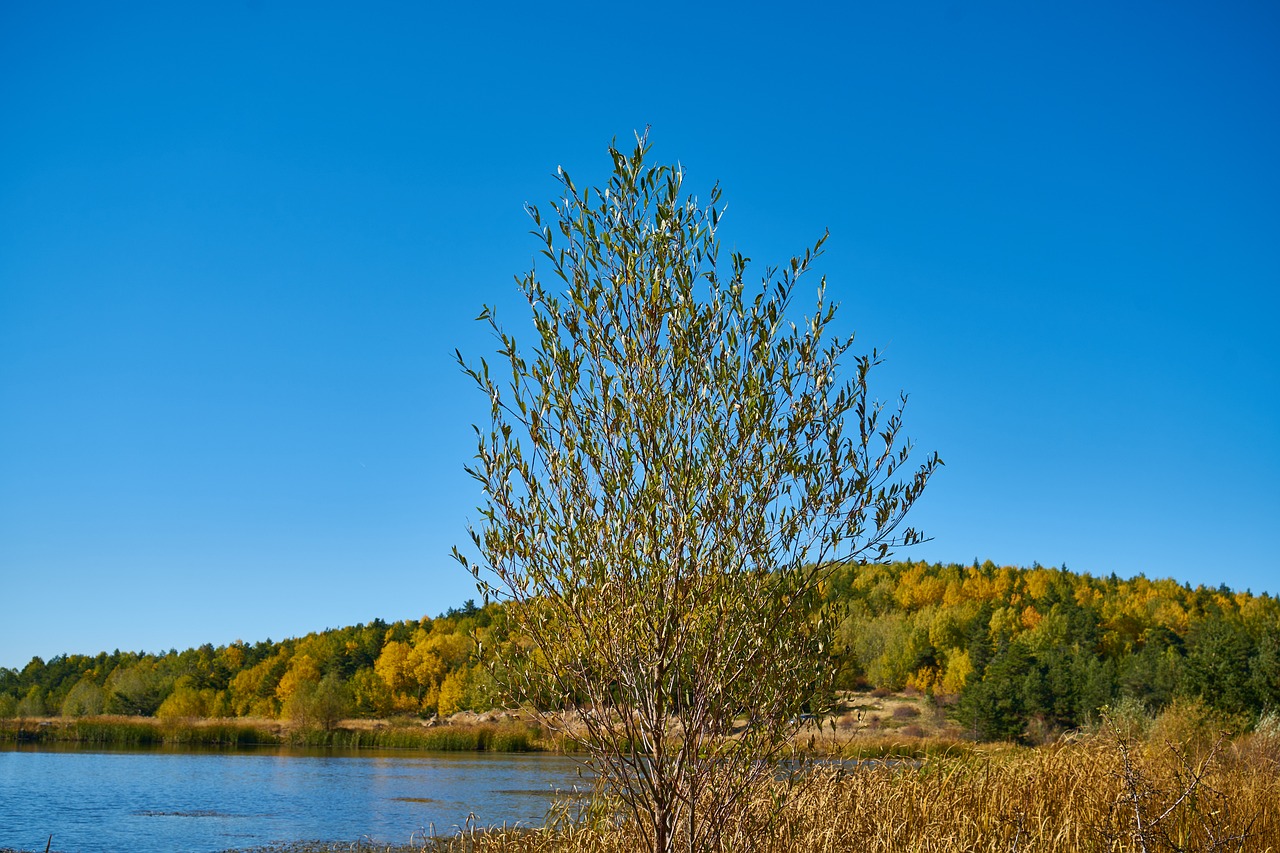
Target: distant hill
1013,652
1041,649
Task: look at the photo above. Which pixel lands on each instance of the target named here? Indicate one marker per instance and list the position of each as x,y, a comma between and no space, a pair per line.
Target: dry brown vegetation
1122,790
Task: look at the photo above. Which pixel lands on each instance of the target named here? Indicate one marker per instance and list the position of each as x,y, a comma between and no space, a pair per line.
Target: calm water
165,802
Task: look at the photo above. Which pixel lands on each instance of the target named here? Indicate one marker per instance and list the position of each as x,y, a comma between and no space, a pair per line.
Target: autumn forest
1011,653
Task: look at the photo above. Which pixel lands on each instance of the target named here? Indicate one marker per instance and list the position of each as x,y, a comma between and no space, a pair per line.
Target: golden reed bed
1106,792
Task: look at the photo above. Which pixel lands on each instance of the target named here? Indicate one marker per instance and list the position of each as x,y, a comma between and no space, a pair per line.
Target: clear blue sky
239,243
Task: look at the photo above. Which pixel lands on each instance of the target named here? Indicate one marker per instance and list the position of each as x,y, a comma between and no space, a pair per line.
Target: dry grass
1102,793
880,715
1074,797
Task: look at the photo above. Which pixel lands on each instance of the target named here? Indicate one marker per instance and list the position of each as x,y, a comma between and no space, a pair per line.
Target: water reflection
168,800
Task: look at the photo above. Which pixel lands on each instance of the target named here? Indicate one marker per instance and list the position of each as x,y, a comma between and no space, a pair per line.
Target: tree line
1013,652
376,670
1027,652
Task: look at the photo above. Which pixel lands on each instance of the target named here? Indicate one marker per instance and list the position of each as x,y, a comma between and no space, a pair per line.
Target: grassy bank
145,731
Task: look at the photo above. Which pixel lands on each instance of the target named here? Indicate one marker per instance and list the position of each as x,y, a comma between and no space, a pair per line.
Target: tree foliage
1030,652
665,473
936,628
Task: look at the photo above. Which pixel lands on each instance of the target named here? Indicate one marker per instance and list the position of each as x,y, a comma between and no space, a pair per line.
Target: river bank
865,725
509,735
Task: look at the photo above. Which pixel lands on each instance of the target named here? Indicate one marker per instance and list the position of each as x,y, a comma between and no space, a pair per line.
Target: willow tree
666,472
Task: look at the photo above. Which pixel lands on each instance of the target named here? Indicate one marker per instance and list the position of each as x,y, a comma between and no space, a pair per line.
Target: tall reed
1101,794
492,737
138,732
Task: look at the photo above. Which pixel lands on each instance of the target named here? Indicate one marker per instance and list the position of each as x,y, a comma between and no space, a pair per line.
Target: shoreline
510,735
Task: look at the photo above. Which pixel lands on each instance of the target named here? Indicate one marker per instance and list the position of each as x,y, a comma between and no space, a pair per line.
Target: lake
200,802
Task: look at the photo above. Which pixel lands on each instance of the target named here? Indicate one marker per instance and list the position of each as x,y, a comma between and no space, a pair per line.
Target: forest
1012,653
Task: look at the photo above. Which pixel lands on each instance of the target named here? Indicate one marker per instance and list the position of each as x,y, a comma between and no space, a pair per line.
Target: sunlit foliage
1015,653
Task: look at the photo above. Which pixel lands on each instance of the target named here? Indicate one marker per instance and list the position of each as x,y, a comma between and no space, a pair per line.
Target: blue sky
239,243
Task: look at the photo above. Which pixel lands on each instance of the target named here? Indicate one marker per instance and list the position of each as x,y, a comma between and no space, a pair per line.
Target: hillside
1005,652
